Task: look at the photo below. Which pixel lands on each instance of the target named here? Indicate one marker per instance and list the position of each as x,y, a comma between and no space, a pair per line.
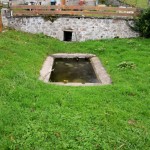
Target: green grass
137,3
39,116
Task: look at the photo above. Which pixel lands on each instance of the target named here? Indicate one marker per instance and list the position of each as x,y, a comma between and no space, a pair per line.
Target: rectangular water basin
75,70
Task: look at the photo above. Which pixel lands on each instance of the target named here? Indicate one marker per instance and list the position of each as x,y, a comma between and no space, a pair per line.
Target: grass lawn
137,3
39,116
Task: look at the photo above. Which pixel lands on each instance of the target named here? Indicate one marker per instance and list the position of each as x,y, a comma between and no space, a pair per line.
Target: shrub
126,65
142,24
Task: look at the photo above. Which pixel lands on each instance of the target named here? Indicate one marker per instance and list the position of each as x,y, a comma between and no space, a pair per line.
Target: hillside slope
39,116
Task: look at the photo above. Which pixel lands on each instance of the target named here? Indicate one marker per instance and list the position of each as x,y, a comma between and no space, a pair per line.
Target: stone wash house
66,28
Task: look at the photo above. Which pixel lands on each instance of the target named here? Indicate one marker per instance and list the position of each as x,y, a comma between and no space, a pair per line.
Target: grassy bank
137,3
35,115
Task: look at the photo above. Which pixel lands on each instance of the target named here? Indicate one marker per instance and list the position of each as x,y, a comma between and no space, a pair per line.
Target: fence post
1,26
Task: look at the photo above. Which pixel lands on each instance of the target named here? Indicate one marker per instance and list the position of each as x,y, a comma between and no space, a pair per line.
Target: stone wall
82,28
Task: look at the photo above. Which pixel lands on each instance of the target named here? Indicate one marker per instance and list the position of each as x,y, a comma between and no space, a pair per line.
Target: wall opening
67,35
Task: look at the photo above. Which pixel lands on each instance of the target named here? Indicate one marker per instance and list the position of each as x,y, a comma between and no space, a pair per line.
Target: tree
142,24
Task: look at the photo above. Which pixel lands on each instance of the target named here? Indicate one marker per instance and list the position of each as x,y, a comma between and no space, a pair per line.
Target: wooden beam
94,11
72,8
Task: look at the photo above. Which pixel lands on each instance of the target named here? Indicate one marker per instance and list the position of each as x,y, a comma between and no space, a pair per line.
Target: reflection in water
73,70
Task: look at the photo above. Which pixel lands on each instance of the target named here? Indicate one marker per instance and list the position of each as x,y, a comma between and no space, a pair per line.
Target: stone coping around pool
100,71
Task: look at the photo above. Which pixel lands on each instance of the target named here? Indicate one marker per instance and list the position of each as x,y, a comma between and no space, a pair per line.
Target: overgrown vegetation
137,3
134,3
142,24
50,18
126,65
36,115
